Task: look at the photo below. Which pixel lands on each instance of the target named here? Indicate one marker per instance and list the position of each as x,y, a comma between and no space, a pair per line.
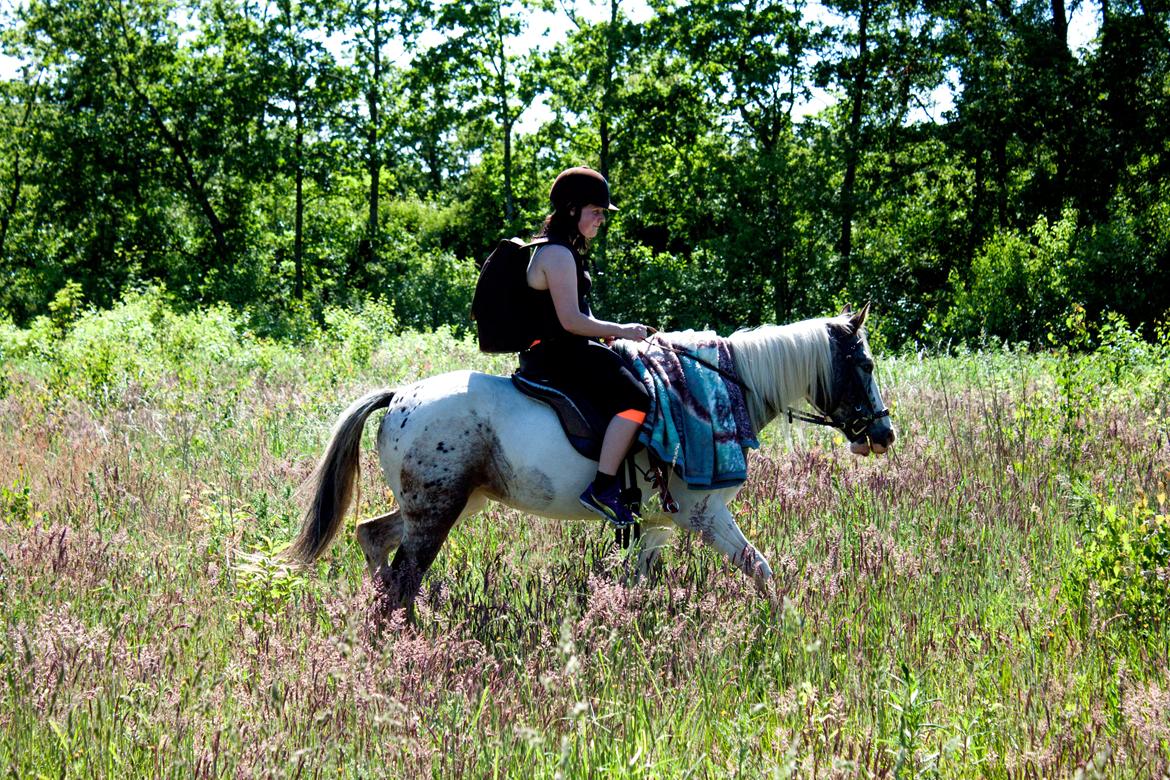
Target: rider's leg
603,496
619,435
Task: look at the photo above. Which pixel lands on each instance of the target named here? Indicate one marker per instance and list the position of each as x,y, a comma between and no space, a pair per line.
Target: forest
960,163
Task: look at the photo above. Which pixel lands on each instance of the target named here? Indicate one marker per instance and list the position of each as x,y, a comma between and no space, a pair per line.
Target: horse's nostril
883,439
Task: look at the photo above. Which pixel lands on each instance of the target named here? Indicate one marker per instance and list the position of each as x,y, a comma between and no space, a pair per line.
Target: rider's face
591,219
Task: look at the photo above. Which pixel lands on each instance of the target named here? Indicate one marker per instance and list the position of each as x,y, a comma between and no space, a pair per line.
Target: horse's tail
332,483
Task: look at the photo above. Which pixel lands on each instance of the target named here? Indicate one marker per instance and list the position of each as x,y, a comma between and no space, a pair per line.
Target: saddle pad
698,420
582,425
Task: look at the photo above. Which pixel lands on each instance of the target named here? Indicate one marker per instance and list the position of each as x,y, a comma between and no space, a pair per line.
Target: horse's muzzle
878,438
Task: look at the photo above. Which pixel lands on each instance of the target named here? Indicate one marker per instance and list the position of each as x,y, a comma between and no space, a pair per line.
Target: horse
450,443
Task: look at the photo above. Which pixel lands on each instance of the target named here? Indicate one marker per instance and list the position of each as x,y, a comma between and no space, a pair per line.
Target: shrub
1018,283
1121,572
662,289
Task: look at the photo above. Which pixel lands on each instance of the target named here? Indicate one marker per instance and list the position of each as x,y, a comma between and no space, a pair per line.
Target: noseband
860,417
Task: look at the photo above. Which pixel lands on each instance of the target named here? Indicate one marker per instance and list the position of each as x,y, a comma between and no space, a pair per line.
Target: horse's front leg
654,538
712,521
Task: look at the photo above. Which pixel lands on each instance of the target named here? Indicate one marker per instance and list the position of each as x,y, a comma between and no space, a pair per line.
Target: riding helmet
580,186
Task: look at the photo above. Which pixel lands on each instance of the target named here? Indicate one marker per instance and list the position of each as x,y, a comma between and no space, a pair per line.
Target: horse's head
854,401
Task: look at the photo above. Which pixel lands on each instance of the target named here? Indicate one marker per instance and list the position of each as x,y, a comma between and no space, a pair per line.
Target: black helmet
580,186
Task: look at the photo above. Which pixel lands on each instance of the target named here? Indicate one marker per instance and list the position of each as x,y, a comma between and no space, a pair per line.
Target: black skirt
589,370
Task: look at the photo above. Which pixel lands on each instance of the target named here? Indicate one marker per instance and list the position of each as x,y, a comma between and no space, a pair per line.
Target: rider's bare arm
552,268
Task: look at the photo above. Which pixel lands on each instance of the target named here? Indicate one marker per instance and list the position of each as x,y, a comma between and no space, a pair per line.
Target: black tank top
548,325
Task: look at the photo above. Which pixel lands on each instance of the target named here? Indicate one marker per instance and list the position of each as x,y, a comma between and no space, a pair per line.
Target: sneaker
609,505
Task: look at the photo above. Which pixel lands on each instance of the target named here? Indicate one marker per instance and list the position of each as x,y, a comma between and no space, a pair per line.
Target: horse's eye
867,366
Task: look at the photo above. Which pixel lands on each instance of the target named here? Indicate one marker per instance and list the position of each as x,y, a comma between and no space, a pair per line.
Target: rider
569,352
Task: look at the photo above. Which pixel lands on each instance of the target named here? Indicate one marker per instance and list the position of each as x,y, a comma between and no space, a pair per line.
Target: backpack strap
522,244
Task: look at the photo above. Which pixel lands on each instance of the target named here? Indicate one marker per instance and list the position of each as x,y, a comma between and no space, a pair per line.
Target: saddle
584,427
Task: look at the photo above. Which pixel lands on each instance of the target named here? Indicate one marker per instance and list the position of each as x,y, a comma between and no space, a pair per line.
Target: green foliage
1018,284
353,335
662,289
138,349
65,307
241,162
266,583
16,506
427,287
1120,574
911,710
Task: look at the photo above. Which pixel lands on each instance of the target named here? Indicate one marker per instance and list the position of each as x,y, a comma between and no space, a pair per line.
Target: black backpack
501,306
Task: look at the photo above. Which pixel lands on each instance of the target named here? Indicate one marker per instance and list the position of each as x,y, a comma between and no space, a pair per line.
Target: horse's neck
780,365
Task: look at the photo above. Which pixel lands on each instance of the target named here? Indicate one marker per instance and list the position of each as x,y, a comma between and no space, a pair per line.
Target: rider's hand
636,331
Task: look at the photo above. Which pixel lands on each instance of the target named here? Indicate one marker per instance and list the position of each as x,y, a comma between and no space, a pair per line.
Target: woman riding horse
448,444
567,353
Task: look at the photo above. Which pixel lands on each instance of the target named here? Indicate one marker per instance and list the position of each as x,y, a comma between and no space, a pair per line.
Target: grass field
989,600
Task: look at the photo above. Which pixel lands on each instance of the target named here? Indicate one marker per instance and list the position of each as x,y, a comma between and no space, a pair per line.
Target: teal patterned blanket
698,420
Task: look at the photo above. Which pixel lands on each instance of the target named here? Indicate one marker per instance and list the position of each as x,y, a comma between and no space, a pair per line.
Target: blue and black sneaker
608,504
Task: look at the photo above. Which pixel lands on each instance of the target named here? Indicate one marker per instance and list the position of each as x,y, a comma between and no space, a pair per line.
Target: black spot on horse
543,484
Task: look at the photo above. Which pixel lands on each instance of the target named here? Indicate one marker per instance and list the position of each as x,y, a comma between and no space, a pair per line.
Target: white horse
450,443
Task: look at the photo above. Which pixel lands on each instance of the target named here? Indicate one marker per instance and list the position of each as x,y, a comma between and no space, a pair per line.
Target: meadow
988,600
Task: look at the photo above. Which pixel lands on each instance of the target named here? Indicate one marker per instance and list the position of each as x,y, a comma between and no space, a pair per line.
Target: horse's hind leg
425,526
378,537
402,579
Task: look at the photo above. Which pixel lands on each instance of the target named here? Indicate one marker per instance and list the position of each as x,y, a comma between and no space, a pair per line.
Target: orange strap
533,344
633,415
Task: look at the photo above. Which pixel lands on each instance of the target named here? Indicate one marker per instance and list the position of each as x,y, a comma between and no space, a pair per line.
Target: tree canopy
292,155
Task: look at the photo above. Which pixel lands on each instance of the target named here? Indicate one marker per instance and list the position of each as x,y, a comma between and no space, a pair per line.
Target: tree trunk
509,203
17,175
373,101
1156,25
1060,23
179,148
852,151
506,119
780,251
999,150
607,100
1066,133
299,228
432,146
176,144
297,55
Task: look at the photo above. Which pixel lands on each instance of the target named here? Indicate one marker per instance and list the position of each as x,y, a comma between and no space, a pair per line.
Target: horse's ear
846,309
858,319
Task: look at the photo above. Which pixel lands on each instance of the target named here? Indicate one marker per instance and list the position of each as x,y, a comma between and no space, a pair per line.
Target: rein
730,377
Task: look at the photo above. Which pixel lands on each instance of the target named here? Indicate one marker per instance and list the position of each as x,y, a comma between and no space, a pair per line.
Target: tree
18,122
753,62
373,25
307,91
495,83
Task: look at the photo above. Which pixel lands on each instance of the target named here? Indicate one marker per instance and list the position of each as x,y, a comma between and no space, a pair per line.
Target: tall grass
944,611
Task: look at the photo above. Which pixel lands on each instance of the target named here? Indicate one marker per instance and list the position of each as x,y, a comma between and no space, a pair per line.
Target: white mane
782,364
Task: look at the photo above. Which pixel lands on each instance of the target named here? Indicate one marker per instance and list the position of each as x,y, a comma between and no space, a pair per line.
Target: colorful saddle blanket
698,420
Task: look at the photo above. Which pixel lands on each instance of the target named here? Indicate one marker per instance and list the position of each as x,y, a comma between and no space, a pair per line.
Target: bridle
861,416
